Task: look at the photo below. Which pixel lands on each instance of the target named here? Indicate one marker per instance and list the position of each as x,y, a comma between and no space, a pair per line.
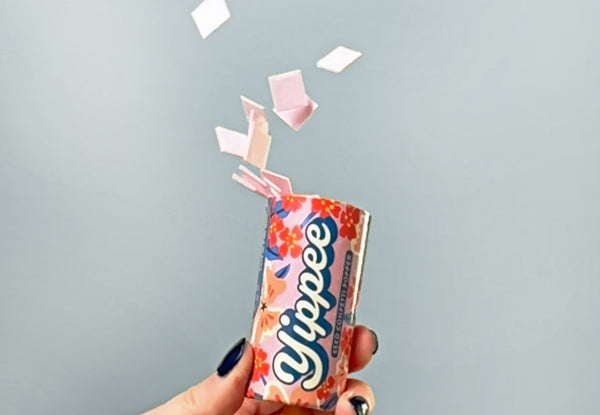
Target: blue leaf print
272,253
308,219
281,212
282,272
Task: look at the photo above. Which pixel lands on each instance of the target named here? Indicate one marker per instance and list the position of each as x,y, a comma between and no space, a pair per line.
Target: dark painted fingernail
376,341
361,407
232,358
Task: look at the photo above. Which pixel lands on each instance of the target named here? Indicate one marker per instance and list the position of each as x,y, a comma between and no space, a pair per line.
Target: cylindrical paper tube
306,300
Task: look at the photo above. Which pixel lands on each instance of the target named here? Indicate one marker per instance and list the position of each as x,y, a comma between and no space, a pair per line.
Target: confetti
232,142
252,147
283,183
210,15
291,103
338,59
269,184
252,182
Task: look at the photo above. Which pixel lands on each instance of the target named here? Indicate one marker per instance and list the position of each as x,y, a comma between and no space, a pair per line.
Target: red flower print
357,243
350,294
325,207
341,372
347,336
292,203
349,219
250,393
261,368
275,226
324,392
289,242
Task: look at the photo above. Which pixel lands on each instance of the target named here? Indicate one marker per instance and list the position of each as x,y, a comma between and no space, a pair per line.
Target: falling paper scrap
254,146
283,183
268,185
291,103
338,59
210,15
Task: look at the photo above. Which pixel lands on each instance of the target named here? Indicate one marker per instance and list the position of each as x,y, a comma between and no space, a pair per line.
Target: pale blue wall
470,130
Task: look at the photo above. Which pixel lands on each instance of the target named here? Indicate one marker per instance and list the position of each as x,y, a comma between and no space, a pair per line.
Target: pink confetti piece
254,146
252,182
232,142
282,182
260,144
258,131
269,184
209,16
249,105
275,190
338,59
290,101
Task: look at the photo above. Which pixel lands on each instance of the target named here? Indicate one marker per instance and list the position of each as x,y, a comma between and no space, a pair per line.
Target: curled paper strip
291,103
252,147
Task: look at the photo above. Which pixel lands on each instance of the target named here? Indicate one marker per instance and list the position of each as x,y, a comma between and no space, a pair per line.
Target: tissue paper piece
210,15
254,146
290,101
338,59
252,182
283,183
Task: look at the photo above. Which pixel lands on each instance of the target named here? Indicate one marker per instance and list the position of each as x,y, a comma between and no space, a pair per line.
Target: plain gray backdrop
470,130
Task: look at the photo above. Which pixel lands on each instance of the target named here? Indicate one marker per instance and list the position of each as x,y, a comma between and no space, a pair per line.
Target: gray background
469,129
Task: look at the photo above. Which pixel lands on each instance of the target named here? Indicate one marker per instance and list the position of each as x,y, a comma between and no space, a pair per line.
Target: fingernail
232,358
376,341
361,407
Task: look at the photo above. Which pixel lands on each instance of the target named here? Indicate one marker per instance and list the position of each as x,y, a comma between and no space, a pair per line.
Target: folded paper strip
269,184
338,59
210,15
253,146
290,101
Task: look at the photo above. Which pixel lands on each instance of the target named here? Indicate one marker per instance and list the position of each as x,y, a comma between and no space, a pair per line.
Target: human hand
223,392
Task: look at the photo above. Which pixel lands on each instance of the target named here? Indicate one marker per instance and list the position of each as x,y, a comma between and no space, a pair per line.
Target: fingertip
239,374
223,392
375,340
364,345
231,358
358,399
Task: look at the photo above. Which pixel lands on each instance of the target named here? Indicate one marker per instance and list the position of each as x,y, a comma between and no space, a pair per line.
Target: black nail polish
376,341
232,357
361,407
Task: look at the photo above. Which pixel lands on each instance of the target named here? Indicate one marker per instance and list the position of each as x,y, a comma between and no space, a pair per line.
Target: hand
223,392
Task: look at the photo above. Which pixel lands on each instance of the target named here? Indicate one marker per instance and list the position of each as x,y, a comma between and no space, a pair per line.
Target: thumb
222,393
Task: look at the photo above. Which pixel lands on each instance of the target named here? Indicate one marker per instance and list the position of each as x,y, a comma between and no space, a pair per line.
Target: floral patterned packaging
306,300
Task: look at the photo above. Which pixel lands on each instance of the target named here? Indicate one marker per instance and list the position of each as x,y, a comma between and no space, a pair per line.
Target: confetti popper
306,300
311,268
